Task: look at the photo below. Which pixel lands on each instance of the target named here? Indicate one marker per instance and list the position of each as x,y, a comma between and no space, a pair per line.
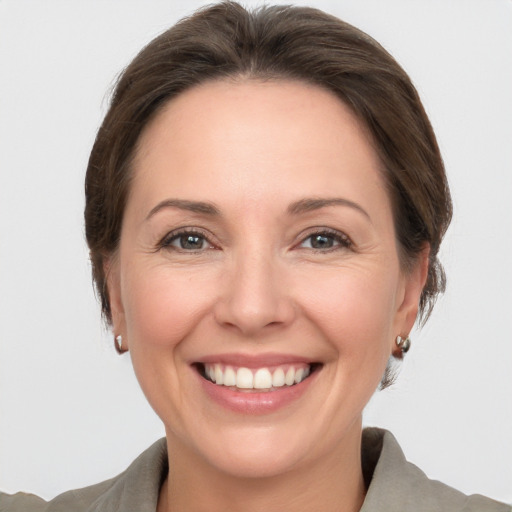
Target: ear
413,280
113,284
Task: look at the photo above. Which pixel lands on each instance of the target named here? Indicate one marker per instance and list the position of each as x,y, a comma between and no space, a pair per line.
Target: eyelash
166,242
342,240
338,237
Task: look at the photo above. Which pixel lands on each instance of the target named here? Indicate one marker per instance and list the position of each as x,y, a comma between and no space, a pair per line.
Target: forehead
222,107
252,139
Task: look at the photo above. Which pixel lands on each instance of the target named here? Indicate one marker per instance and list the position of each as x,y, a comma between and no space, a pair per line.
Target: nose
254,297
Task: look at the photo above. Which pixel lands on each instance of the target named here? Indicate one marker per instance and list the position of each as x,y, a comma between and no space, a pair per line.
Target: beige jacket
394,485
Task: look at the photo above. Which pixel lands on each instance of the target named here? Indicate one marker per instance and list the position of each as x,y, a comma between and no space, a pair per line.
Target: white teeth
289,378
278,378
244,378
229,377
262,378
219,376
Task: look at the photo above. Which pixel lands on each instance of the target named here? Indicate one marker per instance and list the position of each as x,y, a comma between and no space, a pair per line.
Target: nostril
249,319
254,298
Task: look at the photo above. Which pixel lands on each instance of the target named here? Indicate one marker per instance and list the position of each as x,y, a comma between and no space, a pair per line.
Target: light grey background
71,413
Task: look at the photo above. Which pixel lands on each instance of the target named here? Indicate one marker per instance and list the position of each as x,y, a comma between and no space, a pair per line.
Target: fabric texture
393,485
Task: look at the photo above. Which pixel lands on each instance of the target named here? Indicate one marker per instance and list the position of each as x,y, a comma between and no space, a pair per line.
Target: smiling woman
213,304
265,202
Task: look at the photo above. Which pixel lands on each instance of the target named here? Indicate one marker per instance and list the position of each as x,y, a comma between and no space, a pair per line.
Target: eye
186,241
326,240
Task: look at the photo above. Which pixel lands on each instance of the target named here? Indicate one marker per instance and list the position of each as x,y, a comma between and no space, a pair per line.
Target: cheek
355,309
163,306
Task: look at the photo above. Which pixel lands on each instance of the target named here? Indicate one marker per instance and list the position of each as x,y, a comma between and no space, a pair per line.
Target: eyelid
344,240
165,241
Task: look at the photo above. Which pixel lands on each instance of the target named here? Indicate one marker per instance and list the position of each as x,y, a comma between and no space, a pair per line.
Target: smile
261,379
256,384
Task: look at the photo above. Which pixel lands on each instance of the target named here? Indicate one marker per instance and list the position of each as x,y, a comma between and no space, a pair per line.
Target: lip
254,361
256,402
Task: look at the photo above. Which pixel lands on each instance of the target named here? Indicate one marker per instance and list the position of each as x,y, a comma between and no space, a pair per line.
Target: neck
332,483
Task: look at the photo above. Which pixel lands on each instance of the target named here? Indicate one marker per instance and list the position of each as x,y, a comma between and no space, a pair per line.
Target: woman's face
258,246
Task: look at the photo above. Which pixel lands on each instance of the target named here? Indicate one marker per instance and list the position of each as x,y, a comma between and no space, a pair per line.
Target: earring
404,344
119,344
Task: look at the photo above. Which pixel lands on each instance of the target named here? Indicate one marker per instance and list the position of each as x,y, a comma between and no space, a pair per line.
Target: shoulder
136,488
78,500
396,484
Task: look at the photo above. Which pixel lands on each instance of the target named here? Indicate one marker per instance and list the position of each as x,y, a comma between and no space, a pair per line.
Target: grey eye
189,242
322,241
326,241
186,242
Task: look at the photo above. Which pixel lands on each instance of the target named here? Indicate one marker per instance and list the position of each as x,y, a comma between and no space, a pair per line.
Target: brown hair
280,42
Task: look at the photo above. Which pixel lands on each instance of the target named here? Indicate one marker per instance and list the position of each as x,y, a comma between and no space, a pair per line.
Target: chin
261,456
268,448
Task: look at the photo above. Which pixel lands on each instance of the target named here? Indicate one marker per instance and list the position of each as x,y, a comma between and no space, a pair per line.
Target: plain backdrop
71,412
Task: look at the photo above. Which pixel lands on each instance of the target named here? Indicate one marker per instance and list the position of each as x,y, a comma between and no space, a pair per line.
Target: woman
265,204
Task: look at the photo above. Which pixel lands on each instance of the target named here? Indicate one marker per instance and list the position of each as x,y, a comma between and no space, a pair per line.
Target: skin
257,286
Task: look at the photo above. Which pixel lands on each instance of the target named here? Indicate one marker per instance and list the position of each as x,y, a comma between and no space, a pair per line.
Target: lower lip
254,402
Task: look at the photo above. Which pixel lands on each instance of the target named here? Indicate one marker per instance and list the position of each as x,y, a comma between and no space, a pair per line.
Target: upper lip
252,360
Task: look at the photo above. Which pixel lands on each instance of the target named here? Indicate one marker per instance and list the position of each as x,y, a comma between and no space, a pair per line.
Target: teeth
262,378
244,379
289,378
278,378
219,376
229,377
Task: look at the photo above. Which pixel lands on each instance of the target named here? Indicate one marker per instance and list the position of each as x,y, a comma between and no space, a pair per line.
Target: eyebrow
183,204
310,204
296,208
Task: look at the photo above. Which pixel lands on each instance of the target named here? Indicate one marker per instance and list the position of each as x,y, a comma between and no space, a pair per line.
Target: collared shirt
394,485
